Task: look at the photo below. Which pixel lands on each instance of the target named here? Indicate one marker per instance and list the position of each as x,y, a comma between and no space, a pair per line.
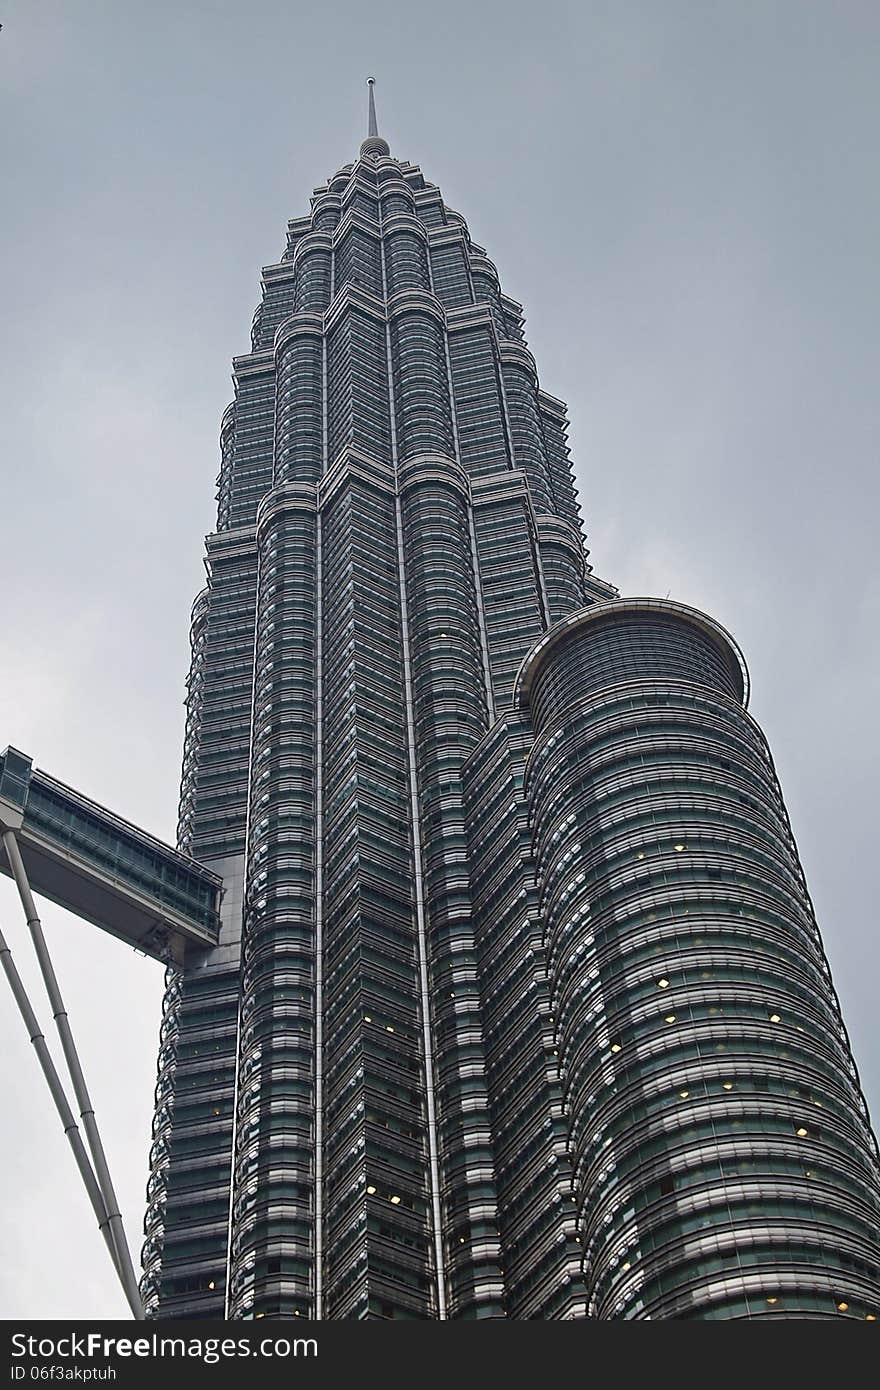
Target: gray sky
684,195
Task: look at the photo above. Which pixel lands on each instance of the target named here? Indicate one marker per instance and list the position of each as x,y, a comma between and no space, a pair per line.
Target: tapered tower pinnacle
374,144
373,128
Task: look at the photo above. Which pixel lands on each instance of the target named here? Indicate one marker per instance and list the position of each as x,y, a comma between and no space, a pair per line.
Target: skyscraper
519,1007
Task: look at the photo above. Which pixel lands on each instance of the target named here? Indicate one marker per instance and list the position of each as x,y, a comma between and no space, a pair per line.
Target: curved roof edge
599,612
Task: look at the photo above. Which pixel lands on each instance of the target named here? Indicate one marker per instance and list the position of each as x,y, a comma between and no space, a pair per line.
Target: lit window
663,983
367,1018
669,1018
211,1284
640,855
395,1200
615,1047
679,848
727,1085
684,1094
870,1317
775,1018
388,1028
771,1300
842,1306
801,1132
371,1190
625,1266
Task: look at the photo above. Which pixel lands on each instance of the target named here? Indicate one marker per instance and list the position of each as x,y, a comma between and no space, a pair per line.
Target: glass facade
723,1160
518,1007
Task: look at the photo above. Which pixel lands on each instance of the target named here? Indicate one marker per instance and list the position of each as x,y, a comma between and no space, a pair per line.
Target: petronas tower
516,1006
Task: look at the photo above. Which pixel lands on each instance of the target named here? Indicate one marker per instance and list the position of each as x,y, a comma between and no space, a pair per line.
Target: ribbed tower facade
519,1008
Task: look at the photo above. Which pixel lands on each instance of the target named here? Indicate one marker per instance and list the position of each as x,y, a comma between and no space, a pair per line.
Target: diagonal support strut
97,1181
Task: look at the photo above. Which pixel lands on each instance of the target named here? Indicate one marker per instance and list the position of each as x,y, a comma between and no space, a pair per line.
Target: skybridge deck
104,869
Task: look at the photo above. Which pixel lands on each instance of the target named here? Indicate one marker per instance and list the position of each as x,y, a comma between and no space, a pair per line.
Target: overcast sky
683,193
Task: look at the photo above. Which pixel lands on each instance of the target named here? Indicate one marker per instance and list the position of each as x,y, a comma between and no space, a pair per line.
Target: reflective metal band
314,241
319,933
433,468
403,222
553,530
515,355
303,323
418,882
472,534
227,1312
319,857
414,301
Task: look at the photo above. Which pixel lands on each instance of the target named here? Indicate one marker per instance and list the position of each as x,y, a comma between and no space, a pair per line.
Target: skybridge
104,869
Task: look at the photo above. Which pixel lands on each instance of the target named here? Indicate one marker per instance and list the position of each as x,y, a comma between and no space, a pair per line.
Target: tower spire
374,145
373,127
